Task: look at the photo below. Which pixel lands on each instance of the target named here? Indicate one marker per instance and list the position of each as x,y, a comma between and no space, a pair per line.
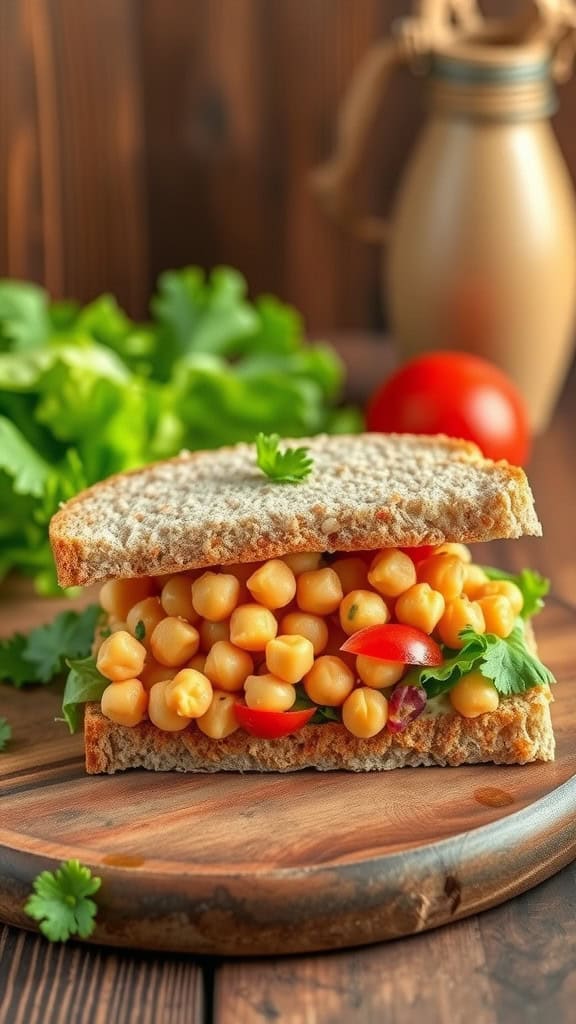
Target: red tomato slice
395,642
271,725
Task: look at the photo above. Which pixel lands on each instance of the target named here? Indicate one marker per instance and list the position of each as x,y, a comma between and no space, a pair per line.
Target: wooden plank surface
44,983
512,965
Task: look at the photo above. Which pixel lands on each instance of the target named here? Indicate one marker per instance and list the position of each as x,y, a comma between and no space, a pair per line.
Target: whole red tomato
456,394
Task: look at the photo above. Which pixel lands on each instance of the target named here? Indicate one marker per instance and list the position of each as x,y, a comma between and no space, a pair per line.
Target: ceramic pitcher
482,239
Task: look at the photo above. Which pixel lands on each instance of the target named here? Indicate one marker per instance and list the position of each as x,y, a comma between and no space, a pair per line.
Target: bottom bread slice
519,731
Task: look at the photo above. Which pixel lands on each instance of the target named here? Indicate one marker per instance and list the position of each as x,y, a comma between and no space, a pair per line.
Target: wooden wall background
141,134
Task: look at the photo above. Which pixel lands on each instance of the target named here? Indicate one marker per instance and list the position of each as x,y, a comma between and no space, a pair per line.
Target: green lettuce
86,391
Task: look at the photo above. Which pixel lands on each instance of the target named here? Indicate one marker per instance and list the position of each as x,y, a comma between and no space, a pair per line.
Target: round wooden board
238,865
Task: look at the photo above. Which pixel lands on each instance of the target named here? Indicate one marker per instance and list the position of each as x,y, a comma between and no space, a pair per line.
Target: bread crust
518,732
366,492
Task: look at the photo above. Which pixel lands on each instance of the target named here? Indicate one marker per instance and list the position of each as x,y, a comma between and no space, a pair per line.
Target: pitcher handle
332,180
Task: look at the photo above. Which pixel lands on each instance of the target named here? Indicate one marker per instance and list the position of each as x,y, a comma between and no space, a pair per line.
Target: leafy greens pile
86,392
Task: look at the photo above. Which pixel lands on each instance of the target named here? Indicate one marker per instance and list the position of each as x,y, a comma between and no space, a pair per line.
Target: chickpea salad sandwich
312,604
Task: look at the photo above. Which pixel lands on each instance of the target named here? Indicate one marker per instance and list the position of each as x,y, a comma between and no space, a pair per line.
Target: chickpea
125,703
474,695
118,596
289,657
176,598
361,608
189,694
153,672
220,720
378,674
460,613
312,627
160,714
213,633
392,572
474,580
444,573
365,712
197,662
174,641
507,589
215,595
303,561
252,626
121,657
273,584
269,693
319,591
227,666
498,614
420,606
458,550
352,573
143,618
329,681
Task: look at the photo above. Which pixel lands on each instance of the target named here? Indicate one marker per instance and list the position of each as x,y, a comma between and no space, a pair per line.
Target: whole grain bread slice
366,491
519,731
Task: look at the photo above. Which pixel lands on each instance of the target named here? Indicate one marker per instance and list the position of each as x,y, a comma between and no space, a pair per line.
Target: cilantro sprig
5,732
506,661
61,903
290,466
41,655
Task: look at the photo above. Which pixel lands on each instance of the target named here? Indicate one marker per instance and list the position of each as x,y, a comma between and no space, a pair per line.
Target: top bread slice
365,491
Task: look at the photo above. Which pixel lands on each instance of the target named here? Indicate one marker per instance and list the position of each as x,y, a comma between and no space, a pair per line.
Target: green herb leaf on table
41,655
5,733
506,661
14,667
533,586
61,903
290,466
70,635
84,683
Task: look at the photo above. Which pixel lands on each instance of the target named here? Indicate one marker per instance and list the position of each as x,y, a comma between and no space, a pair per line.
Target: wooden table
516,963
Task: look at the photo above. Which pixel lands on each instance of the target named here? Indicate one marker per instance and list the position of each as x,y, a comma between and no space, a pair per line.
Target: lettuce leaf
87,391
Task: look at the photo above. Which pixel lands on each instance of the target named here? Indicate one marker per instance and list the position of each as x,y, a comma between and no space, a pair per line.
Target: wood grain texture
41,983
141,134
515,964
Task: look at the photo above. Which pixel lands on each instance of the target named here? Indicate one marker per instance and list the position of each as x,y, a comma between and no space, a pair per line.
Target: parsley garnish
61,901
507,662
5,733
288,467
140,631
39,656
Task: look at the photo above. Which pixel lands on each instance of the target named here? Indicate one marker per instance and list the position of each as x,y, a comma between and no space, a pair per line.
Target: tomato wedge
271,725
395,642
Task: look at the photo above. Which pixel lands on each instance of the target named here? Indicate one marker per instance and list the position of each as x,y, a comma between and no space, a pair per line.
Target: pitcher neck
489,82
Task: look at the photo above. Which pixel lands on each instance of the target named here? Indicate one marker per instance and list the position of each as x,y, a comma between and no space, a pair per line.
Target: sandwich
327,618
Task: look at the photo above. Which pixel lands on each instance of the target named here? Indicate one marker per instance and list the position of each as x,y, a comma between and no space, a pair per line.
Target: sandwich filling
258,646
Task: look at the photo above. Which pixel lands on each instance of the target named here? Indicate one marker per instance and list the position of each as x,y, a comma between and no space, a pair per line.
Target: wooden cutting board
238,865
